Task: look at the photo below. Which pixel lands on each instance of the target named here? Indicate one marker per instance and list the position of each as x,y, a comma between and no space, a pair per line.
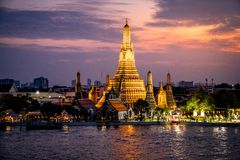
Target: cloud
94,6
56,25
191,39
194,13
191,24
67,45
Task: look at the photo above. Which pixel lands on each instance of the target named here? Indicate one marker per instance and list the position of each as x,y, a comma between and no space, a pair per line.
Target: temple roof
86,103
117,105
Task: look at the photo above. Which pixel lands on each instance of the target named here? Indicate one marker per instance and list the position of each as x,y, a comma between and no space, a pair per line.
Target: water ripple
123,142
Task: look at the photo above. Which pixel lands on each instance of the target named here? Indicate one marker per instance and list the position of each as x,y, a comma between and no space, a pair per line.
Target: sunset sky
193,40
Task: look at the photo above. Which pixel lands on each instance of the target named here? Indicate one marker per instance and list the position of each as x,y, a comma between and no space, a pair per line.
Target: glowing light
8,128
179,130
66,129
202,114
130,129
195,113
126,70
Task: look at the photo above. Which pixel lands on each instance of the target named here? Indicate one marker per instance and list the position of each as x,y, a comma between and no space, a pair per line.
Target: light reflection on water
122,142
221,136
8,128
65,129
236,130
176,147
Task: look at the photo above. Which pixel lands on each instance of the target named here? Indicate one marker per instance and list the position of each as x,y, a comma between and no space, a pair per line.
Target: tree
34,105
192,104
223,85
237,86
201,101
226,99
50,109
141,107
158,111
71,110
18,104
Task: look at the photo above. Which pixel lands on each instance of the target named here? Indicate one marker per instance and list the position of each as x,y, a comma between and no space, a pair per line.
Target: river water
123,142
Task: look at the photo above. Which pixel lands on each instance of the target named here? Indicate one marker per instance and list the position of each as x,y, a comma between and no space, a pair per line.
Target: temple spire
126,52
78,88
170,99
149,82
161,87
150,95
168,79
126,81
126,35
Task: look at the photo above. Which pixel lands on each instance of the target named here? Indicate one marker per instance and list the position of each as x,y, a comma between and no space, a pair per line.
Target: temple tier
126,80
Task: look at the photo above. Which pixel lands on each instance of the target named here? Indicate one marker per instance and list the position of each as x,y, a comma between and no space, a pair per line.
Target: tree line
200,101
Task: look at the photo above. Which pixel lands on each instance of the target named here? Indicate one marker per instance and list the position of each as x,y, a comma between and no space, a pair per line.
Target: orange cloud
149,39
155,39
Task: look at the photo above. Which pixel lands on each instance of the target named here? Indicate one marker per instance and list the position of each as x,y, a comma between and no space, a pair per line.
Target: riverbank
220,124
187,123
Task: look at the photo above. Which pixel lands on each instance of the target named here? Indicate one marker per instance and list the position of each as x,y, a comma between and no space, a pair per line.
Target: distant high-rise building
185,84
150,95
73,83
10,81
25,85
97,83
31,85
89,83
40,83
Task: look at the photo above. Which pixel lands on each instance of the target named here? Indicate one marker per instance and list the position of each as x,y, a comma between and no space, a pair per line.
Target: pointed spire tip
126,21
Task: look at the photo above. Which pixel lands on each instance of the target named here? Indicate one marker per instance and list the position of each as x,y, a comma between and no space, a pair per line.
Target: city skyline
58,39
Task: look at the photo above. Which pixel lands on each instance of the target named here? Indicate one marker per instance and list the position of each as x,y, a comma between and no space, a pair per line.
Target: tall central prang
126,80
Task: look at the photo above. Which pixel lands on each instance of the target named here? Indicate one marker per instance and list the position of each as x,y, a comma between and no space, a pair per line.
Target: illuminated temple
165,98
126,81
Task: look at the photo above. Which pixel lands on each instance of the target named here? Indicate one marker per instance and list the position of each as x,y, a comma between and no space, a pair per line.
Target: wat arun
126,81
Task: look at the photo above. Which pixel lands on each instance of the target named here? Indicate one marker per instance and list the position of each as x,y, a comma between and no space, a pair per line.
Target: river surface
123,142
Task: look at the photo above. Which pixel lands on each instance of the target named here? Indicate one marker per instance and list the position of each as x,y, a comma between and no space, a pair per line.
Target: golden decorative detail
126,80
